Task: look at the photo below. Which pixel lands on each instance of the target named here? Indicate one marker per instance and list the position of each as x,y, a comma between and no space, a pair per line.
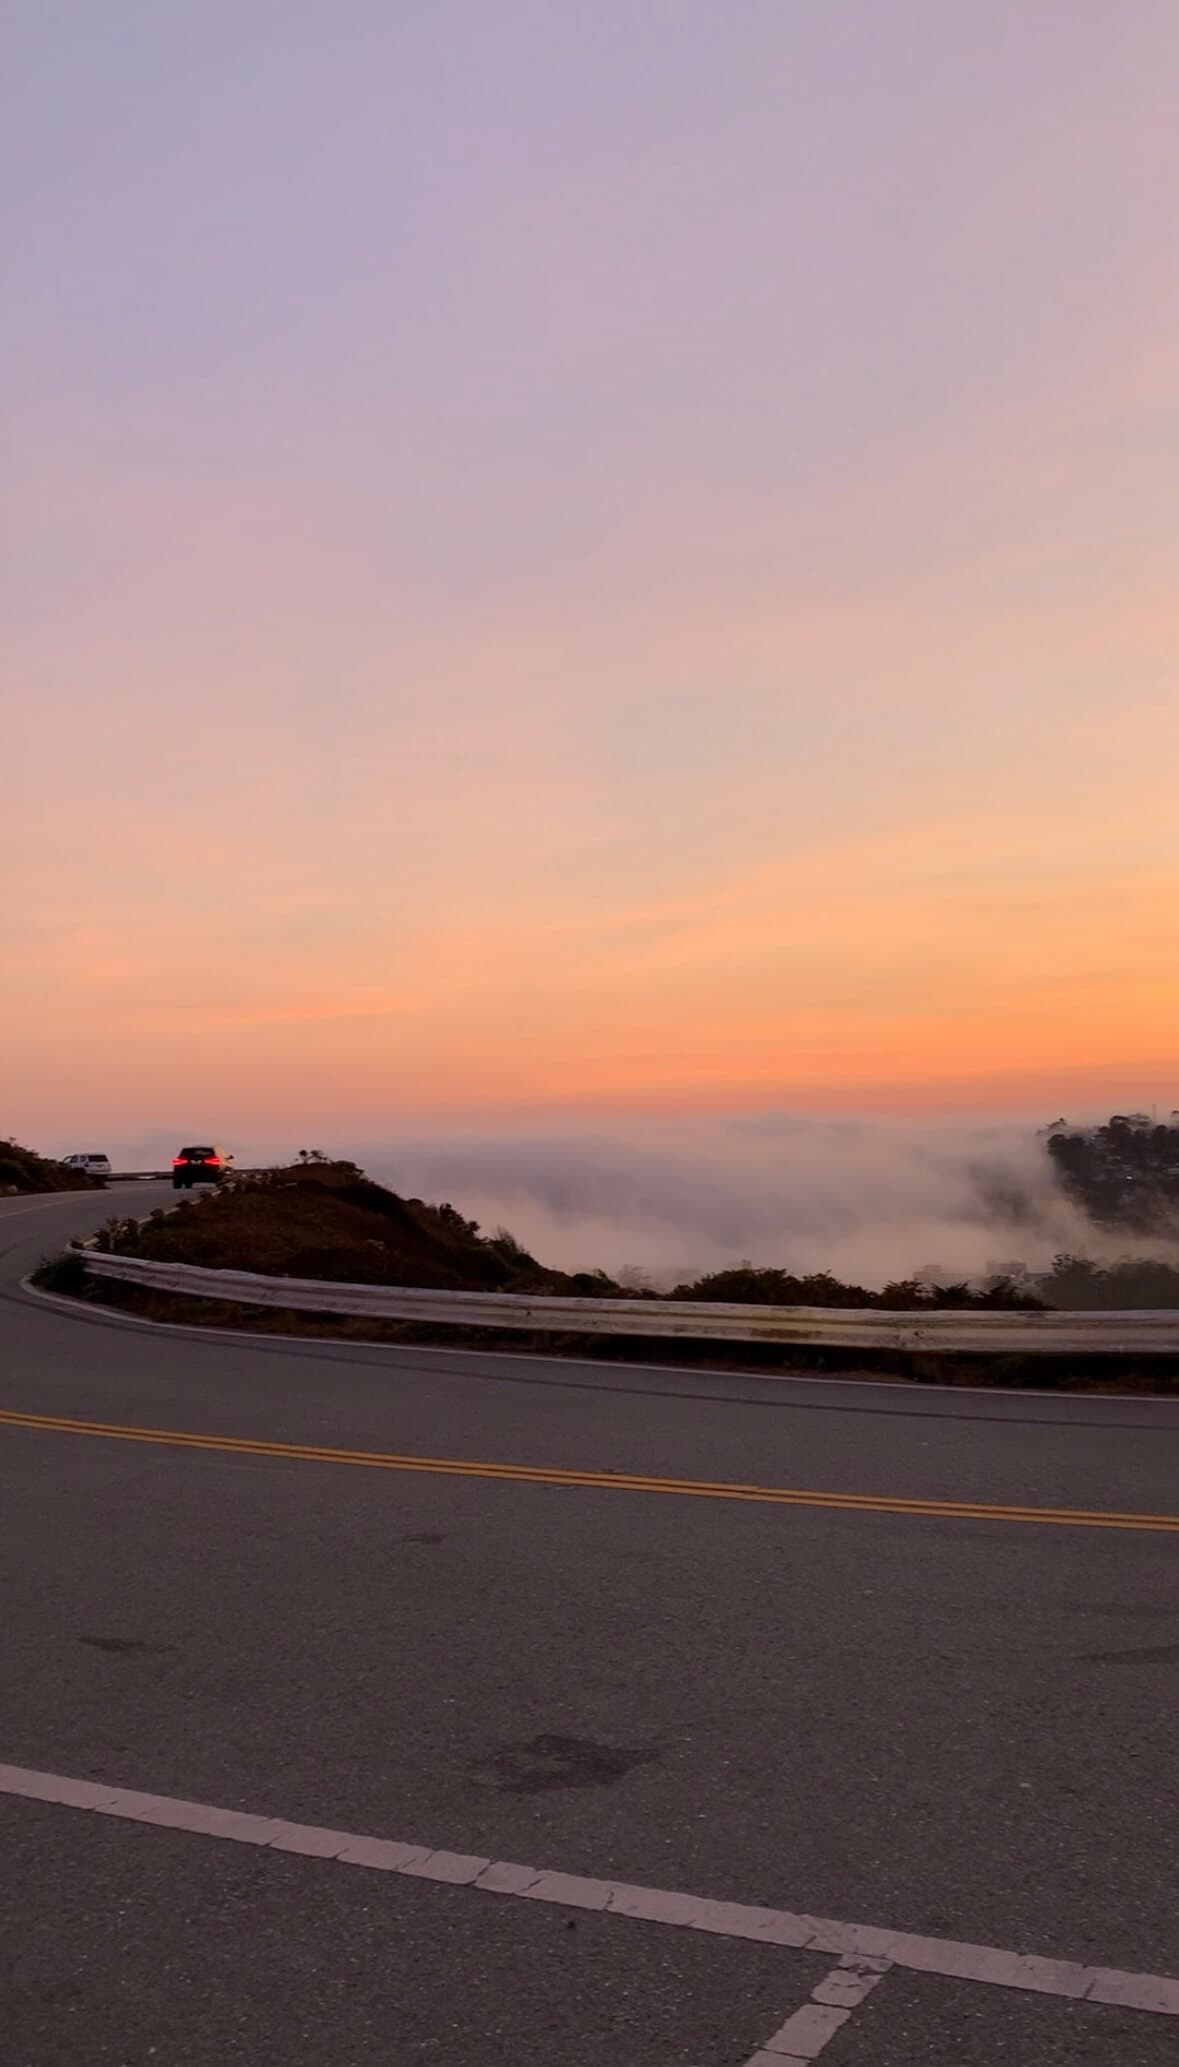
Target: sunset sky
589,560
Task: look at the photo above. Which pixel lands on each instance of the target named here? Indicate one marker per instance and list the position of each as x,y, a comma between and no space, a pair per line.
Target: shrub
66,1274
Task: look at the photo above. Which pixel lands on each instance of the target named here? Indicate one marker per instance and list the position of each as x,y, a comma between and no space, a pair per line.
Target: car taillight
178,1162
214,1162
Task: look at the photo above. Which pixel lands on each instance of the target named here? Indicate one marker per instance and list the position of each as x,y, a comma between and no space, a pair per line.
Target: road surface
443,1750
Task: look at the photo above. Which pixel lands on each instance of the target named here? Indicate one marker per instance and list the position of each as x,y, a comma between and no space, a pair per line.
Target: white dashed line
42,1205
864,1951
803,2036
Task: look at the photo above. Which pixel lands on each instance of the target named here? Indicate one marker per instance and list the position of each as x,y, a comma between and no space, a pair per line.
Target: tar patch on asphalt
548,1762
1147,1654
126,1646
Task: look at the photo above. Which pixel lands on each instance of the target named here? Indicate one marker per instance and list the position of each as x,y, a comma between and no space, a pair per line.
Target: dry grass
331,1222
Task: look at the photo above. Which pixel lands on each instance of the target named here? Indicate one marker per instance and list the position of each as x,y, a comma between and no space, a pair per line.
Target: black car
200,1166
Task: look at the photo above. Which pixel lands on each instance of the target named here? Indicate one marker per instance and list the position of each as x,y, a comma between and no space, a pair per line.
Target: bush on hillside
1135,1281
750,1286
22,1170
65,1274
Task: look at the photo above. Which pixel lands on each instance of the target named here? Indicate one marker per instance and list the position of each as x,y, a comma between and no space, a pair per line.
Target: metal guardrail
946,1328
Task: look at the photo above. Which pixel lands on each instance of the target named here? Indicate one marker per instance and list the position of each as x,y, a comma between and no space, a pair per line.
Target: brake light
178,1162
213,1162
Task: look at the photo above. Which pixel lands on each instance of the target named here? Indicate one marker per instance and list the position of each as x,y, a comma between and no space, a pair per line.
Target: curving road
888,1696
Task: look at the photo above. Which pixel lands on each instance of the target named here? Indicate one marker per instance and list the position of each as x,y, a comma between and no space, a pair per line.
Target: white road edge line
803,2036
1158,1993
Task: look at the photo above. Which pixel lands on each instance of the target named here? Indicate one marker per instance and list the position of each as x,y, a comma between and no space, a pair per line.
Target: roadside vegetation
21,1170
329,1221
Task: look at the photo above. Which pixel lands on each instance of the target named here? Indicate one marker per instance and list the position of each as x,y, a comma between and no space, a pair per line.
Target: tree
1124,1174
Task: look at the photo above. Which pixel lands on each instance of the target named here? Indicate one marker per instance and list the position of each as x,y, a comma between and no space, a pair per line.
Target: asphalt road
960,1727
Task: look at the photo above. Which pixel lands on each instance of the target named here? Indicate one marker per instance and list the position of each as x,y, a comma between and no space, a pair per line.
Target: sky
586,569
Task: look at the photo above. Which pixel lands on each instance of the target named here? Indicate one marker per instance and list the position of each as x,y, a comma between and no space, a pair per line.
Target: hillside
22,1170
330,1221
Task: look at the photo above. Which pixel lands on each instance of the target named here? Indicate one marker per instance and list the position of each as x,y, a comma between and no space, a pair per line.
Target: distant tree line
747,1285
1134,1281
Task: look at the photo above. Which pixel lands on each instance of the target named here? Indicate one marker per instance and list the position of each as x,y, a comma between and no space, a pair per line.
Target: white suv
89,1165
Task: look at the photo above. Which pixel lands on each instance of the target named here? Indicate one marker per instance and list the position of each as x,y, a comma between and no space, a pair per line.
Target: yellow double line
609,1481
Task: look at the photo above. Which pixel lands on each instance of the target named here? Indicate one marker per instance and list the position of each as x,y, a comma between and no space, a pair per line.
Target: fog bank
868,1201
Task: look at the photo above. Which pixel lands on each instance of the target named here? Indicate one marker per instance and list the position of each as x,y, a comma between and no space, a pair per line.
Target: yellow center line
615,1481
